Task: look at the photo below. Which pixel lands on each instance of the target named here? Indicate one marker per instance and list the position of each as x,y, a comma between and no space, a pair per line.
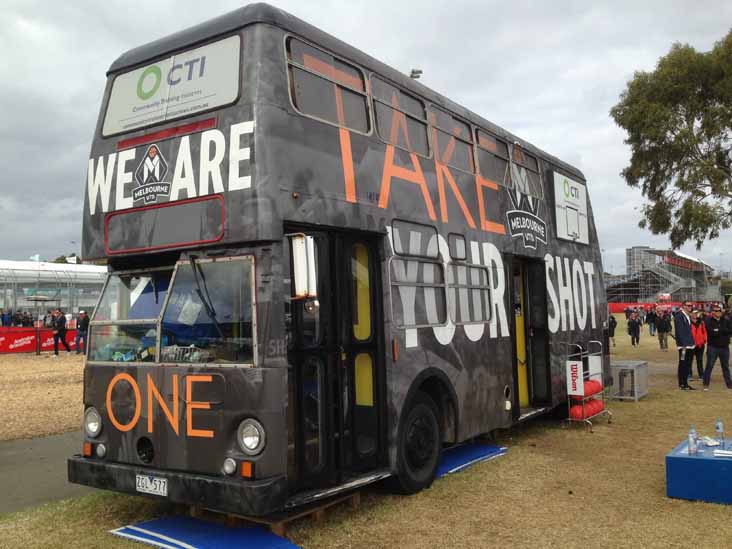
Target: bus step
533,412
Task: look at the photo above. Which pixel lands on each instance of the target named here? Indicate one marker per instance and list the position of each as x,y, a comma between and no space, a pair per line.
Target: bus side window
400,118
425,280
327,88
470,288
525,171
493,159
452,140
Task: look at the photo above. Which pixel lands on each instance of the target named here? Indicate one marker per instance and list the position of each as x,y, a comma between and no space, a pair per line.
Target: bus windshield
209,314
208,317
135,296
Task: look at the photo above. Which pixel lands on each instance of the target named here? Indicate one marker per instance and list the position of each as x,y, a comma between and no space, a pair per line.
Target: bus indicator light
247,469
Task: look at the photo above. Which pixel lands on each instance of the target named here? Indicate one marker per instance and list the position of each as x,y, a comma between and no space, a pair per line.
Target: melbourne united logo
149,176
524,220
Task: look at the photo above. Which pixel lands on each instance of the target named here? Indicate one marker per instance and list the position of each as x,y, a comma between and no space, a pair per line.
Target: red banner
23,340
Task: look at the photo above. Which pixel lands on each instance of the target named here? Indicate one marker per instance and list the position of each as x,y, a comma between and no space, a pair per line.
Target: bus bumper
229,495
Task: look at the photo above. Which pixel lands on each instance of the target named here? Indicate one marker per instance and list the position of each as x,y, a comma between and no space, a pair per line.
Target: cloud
548,72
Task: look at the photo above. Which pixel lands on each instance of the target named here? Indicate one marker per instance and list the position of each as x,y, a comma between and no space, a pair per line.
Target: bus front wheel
420,445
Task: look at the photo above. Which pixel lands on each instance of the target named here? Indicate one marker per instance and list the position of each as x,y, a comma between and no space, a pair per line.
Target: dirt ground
556,487
41,395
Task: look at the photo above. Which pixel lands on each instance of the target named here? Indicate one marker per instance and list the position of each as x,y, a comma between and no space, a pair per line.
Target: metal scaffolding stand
584,372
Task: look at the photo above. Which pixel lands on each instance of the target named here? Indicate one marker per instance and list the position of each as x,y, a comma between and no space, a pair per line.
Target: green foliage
726,286
679,123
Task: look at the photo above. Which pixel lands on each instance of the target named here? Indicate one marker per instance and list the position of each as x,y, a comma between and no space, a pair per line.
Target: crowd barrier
620,307
24,340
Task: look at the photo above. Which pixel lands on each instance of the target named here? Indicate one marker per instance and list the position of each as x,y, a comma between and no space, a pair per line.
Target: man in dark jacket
685,344
58,323
611,325
719,329
634,329
82,329
651,318
663,327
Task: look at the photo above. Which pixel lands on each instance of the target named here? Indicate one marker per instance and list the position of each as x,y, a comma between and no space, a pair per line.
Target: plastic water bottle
719,428
692,440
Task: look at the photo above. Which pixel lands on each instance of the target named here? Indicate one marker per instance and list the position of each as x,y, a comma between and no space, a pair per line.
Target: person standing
699,331
58,323
611,325
719,329
685,345
651,318
82,329
663,327
634,329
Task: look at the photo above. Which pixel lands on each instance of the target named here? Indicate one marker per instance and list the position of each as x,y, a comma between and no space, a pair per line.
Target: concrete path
33,471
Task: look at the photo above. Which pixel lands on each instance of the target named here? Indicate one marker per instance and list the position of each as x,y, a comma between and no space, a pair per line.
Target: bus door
530,334
338,365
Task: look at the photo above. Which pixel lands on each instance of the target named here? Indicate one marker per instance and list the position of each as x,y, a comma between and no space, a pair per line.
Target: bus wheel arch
436,385
427,420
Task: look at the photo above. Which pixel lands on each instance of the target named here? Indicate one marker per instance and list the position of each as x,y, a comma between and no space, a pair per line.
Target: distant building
653,272
31,285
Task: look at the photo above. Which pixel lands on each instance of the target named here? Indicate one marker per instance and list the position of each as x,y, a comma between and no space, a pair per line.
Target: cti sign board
183,84
570,199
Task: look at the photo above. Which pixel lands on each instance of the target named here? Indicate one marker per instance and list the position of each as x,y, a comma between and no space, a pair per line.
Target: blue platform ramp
191,533
463,456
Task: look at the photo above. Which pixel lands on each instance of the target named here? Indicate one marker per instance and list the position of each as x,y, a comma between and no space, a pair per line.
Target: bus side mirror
303,266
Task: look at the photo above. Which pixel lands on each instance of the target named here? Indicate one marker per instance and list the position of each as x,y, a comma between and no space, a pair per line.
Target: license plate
152,485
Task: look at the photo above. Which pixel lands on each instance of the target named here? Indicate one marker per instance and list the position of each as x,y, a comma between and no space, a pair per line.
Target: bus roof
264,13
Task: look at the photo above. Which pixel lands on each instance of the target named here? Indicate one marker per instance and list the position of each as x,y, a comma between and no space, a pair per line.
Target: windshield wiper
196,268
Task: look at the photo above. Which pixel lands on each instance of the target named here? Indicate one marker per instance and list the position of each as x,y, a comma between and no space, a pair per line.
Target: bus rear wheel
419,446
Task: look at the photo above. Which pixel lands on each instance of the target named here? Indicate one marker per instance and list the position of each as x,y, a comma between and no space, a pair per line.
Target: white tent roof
42,271
7,264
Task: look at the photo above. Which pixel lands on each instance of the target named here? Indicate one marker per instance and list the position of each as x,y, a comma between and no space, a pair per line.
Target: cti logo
569,190
151,78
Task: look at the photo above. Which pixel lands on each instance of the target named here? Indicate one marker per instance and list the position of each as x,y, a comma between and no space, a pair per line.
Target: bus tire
419,445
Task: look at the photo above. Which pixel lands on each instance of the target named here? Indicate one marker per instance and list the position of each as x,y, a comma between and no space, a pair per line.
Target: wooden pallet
277,522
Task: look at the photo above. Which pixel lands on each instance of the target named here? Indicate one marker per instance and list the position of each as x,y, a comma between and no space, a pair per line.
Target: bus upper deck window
327,88
400,118
525,173
493,159
452,140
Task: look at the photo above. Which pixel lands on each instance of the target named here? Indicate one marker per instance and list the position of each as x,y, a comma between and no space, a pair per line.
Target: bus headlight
92,422
250,436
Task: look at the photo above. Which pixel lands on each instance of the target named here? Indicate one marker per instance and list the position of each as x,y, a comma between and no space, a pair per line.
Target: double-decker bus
320,271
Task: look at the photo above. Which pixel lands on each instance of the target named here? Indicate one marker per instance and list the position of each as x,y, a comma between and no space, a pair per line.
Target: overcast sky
547,71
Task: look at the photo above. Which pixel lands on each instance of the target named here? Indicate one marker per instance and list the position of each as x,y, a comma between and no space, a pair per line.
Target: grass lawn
555,487
41,395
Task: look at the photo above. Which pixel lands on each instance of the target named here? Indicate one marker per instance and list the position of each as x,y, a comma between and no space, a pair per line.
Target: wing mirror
304,269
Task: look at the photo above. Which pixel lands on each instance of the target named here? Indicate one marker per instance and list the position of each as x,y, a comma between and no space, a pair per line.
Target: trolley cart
585,384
